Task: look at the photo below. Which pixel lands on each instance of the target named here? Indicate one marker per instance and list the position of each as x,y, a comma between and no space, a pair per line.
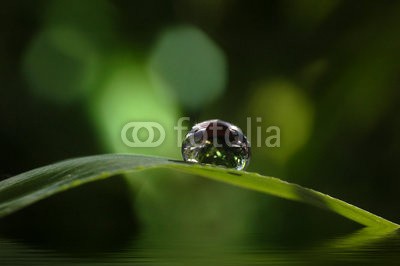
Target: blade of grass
32,186
290,191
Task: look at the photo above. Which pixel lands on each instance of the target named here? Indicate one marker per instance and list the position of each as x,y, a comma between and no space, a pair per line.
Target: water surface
360,248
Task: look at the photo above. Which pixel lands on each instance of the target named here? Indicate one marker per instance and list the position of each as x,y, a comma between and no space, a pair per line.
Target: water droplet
217,142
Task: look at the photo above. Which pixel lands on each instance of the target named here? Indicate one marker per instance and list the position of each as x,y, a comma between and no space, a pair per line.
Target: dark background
326,72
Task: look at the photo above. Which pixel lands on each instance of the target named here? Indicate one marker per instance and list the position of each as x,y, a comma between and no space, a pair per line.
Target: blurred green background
73,73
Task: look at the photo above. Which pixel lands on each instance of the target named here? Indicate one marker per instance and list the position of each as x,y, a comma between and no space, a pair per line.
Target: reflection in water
150,250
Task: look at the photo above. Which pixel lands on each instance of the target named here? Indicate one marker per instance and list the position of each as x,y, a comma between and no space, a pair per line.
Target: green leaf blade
29,187
290,191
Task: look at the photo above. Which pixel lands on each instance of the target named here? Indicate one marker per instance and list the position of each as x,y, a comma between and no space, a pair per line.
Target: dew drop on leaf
217,142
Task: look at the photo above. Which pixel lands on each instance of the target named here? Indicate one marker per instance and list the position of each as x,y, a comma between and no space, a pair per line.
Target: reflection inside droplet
217,142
